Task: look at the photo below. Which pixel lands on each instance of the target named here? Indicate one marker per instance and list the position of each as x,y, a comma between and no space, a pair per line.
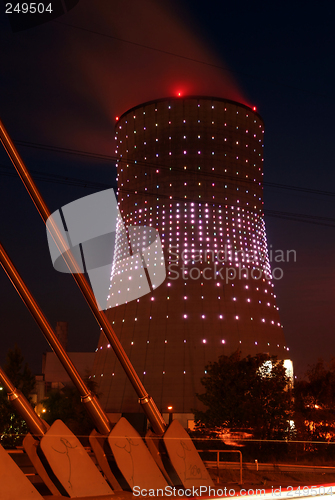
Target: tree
315,403
249,393
12,427
65,404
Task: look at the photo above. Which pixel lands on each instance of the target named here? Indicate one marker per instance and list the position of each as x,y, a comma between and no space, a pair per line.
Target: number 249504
28,8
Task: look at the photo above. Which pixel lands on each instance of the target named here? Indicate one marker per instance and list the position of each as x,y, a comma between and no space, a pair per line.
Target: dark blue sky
62,86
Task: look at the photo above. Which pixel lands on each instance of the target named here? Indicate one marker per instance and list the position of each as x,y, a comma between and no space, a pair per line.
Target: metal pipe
22,406
241,482
147,403
91,403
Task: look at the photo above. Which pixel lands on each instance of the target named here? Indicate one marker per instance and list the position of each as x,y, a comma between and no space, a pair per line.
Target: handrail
218,461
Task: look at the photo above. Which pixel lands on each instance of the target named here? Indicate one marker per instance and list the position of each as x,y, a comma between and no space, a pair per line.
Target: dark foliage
65,404
315,405
246,394
12,427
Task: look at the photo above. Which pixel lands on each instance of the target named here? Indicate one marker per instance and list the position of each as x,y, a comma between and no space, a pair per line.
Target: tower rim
187,97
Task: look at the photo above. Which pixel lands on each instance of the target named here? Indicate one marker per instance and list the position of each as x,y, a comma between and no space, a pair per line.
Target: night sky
63,83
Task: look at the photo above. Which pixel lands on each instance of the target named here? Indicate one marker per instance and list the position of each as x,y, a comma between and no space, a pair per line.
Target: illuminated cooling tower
192,168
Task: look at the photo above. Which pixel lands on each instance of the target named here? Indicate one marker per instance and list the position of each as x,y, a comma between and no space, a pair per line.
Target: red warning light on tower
254,108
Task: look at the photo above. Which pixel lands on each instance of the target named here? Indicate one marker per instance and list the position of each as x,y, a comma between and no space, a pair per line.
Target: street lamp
170,408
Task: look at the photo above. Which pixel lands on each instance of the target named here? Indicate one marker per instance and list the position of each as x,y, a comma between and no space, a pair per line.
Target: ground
253,479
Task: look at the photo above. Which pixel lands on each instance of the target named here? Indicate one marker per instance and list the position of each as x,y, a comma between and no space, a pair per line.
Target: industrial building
193,169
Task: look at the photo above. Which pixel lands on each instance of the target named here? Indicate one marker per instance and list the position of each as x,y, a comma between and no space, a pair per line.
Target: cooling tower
192,168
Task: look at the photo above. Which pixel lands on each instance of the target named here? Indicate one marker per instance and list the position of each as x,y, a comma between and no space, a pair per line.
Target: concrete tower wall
192,168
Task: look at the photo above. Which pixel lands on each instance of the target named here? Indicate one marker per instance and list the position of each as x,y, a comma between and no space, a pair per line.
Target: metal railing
218,461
